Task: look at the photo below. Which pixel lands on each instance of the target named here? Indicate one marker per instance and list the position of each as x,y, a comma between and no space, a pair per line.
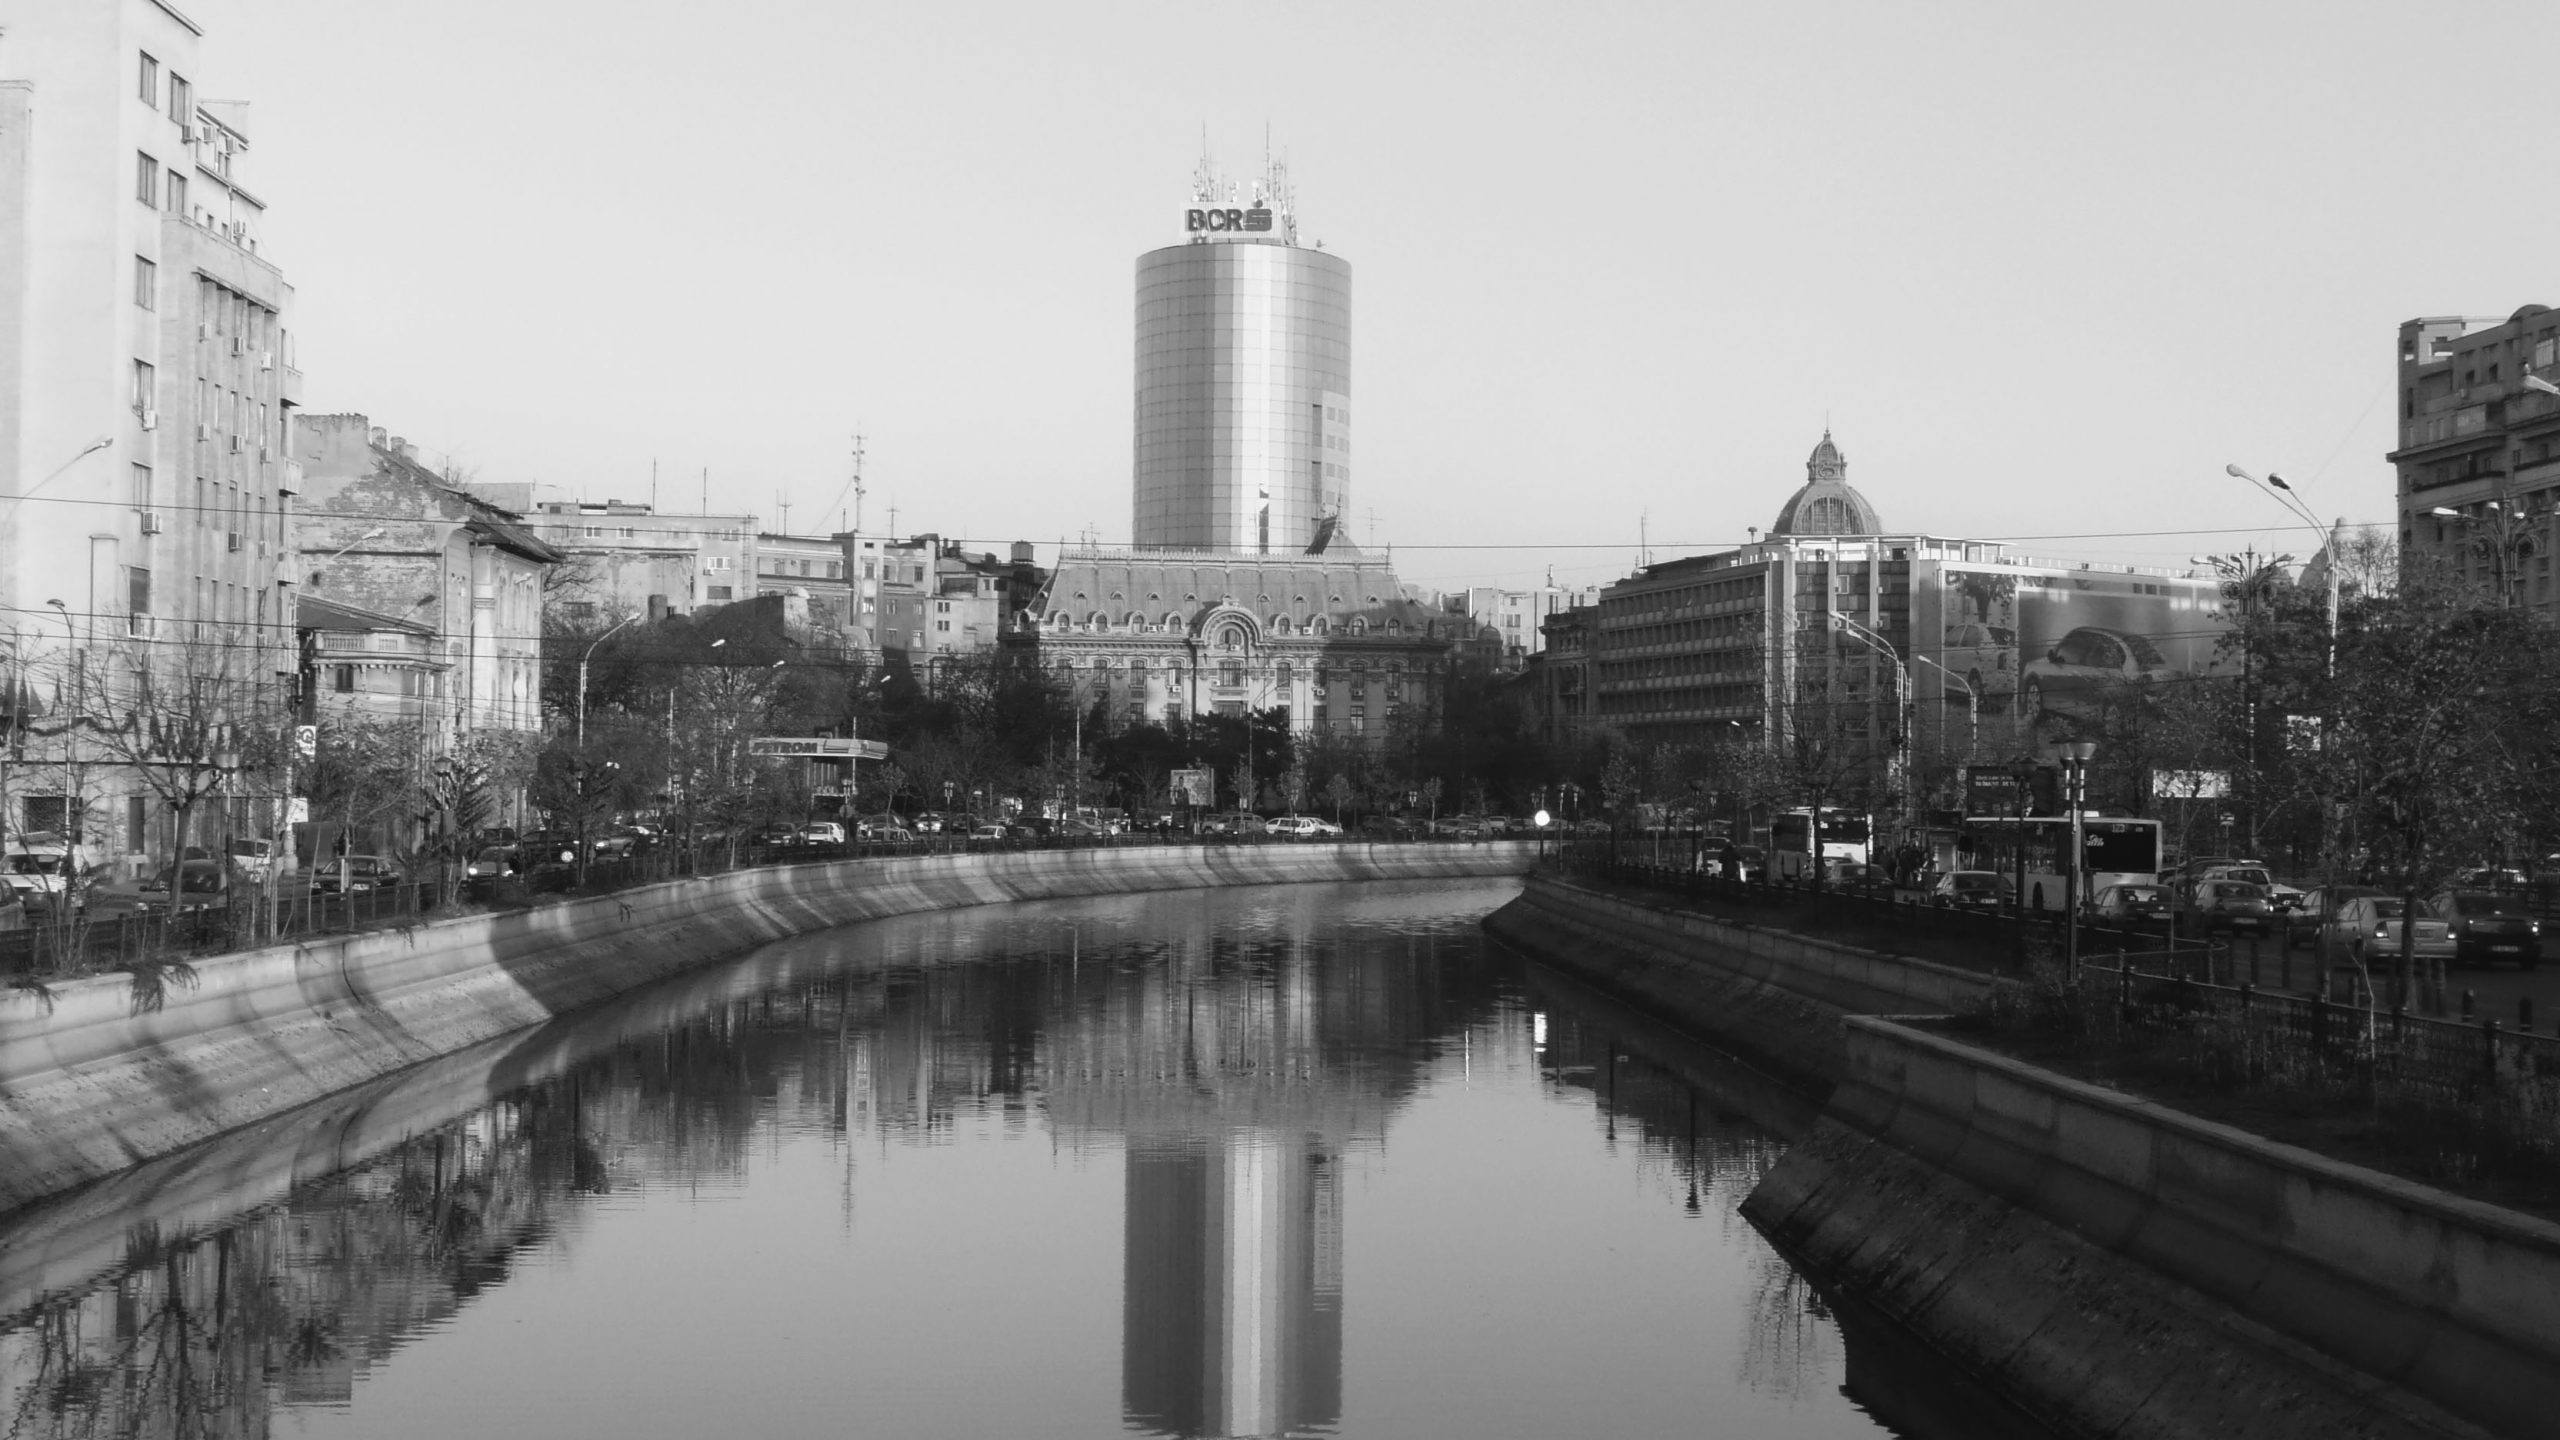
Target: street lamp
1896,777
2503,540
2075,762
583,658
1972,705
376,533
2282,491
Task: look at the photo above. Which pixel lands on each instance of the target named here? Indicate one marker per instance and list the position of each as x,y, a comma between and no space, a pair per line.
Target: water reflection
1239,1061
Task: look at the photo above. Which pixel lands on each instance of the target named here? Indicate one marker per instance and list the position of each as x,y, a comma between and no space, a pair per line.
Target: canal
1296,1160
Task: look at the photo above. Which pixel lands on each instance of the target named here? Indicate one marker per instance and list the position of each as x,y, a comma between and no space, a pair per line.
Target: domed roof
1826,505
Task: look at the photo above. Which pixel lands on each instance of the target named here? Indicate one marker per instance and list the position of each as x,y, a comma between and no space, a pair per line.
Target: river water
1297,1160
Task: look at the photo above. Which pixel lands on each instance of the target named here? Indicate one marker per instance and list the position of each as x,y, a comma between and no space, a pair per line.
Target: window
177,194
149,75
146,283
144,382
146,180
835,569
141,487
137,822
342,678
182,99
718,592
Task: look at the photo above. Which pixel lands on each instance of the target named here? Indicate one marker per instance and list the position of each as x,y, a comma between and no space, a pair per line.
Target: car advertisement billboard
2045,642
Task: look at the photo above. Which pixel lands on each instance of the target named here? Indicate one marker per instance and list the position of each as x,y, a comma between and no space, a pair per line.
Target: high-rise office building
2479,452
1244,378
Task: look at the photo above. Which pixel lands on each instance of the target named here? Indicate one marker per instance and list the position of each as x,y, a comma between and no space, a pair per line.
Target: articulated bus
2115,850
1791,852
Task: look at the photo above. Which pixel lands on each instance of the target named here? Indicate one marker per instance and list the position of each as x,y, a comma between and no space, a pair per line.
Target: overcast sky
2044,268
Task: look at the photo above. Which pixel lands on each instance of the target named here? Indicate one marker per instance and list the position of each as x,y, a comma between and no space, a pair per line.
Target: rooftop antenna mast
856,526
782,502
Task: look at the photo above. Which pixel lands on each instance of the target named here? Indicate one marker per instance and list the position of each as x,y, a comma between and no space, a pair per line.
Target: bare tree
188,715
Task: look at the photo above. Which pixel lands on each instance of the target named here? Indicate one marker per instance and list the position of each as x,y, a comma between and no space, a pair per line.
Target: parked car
199,883
43,868
359,872
2302,924
2368,930
2230,907
2086,663
2131,903
1076,827
2488,925
1392,827
1236,824
822,832
1302,827
1972,890
255,859
882,831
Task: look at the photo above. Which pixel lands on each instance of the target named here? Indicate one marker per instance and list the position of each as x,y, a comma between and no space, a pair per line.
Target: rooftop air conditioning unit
204,430
150,419
150,522
234,538
266,359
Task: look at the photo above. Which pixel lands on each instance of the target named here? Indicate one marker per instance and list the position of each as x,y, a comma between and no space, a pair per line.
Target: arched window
1279,624
1320,625
1059,621
1101,621
1231,637
1137,621
1173,620
1284,676
1359,626
1395,627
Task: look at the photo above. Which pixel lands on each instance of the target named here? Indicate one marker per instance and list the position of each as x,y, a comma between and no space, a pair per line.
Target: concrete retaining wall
1777,997
1993,1207
91,1082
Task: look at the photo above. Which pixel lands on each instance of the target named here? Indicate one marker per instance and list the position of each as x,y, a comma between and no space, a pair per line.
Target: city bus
1791,842
2115,850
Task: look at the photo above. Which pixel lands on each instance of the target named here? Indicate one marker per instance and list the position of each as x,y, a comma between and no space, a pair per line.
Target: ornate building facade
1162,635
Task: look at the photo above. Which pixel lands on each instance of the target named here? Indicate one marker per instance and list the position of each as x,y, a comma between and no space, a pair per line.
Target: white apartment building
145,395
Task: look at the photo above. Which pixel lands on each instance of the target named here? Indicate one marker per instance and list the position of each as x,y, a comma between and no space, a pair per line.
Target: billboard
2048,643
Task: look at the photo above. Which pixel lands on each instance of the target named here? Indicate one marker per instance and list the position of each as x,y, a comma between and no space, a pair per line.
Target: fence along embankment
96,1077
1775,998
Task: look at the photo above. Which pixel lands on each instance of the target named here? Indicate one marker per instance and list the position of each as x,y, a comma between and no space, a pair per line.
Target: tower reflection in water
1233,1074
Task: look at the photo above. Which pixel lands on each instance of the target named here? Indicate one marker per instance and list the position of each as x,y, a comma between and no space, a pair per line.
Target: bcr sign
1204,220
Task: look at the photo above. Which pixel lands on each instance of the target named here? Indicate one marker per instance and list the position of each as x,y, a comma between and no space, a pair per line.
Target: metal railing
2389,1051
90,943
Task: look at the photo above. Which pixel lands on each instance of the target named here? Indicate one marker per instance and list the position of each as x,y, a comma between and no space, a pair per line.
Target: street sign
817,747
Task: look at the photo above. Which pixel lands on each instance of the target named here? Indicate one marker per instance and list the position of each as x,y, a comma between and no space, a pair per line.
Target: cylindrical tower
1243,396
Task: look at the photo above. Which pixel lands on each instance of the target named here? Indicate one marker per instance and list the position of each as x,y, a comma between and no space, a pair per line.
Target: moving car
2487,926
2086,663
495,862
2230,907
1856,875
880,830
2302,923
357,873
822,832
2368,929
2124,902
1972,890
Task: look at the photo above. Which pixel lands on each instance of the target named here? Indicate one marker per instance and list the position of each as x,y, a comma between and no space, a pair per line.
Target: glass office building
1243,396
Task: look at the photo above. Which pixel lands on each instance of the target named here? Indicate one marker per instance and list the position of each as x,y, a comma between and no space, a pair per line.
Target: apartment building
625,557
145,400
2479,479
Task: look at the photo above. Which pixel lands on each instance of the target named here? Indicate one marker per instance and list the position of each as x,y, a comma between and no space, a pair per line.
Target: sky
2044,270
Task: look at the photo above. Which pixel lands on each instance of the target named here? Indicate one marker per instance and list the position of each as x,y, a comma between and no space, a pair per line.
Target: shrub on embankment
2469,1108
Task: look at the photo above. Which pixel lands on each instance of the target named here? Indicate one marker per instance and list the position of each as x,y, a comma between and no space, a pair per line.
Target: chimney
376,437
408,451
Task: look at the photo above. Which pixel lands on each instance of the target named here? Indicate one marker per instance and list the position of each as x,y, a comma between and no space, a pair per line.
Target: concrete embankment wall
1774,997
92,1082
2129,1270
